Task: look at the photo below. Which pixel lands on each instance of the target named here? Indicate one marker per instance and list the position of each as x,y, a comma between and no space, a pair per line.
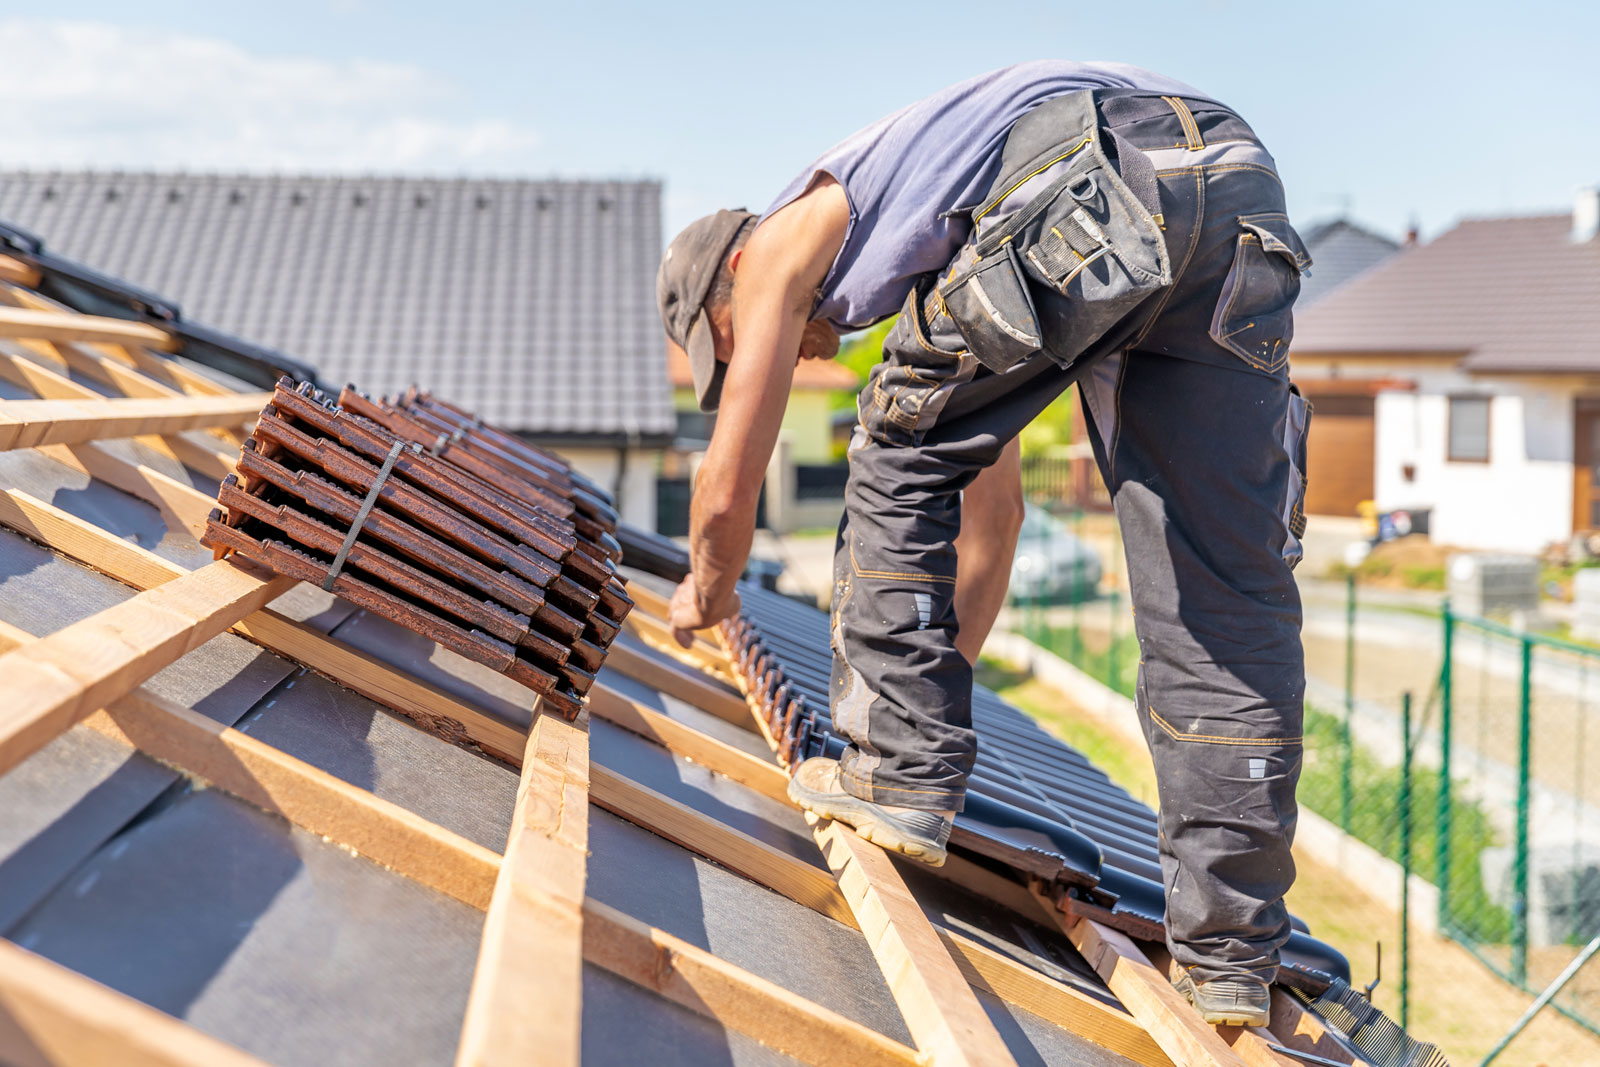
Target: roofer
1049,223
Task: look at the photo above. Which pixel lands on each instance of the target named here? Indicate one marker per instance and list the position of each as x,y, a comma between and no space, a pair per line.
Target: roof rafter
525,1003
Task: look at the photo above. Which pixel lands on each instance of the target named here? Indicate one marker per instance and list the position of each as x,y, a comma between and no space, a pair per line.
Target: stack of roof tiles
466,534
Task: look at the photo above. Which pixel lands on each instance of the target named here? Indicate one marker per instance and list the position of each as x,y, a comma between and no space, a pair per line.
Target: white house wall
1521,500
636,498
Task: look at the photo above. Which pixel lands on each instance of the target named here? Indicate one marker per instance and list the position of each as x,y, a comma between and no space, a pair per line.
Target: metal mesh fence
1456,747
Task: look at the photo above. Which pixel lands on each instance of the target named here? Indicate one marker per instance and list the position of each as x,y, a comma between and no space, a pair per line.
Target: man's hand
688,613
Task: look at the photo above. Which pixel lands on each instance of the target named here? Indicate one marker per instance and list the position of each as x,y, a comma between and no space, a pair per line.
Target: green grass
1375,785
1374,819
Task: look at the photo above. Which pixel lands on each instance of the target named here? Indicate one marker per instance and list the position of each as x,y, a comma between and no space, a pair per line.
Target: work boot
919,835
1234,1001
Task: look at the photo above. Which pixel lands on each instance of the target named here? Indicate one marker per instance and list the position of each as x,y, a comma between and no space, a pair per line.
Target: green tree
863,351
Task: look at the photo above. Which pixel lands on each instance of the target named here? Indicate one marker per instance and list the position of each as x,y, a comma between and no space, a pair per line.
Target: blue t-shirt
940,154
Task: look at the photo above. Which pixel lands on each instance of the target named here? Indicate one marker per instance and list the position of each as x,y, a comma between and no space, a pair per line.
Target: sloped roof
1340,250
531,302
289,836
1508,294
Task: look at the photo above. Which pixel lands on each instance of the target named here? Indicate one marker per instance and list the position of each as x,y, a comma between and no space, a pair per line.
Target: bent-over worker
1047,224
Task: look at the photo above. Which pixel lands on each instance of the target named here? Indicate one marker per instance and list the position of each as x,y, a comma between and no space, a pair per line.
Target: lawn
1455,1001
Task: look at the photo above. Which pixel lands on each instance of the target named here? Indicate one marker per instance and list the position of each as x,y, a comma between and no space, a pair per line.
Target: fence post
1446,714
1519,900
1112,644
1076,657
1347,740
1405,859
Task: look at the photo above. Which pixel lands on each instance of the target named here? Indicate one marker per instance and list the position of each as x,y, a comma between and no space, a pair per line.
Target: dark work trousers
1201,443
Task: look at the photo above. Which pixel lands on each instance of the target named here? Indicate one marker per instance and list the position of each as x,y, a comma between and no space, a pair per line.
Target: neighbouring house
1464,376
529,302
807,423
805,482
1340,250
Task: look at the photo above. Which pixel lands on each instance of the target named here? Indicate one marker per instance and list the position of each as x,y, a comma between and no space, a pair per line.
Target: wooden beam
59,679
675,680
1088,1017
739,852
17,272
748,770
158,368
938,1005
523,998
48,384
49,325
1148,995
525,1006
307,796
51,1016
182,506
740,1001
432,707
30,423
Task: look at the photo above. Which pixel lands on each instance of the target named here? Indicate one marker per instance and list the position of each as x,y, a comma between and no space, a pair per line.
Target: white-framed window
1469,429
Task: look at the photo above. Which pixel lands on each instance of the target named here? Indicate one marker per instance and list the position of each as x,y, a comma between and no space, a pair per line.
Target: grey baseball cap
687,270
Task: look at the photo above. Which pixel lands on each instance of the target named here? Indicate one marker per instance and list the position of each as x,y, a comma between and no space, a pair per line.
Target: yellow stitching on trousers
1210,739
1191,129
1014,188
892,574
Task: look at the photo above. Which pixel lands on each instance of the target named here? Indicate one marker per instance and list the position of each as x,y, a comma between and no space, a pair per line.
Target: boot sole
1220,1017
879,832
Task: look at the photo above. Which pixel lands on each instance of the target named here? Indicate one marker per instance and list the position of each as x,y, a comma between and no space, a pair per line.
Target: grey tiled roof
529,302
1510,294
1340,250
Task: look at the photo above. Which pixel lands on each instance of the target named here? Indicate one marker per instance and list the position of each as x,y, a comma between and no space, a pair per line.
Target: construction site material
336,894
485,545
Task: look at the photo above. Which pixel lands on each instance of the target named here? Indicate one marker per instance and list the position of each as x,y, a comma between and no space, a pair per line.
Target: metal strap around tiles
361,516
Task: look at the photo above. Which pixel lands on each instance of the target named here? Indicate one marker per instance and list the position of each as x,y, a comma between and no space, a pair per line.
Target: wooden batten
525,1005
939,1007
307,796
57,680
40,324
51,1015
16,272
424,703
30,423
738,1000
739,852
1149,996
675,680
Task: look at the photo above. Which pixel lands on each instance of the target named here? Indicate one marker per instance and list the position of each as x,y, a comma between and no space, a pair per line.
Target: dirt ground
1456,1002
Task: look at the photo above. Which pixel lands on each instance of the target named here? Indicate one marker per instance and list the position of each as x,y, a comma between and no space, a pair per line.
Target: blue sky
1393,111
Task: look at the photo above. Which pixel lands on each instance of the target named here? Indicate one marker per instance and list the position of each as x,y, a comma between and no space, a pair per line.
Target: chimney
1586,215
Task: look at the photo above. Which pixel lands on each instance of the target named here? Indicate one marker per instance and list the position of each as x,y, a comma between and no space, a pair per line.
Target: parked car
1051,563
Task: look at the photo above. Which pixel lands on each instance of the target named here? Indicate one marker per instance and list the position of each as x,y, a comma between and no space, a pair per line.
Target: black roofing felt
531,303
303,953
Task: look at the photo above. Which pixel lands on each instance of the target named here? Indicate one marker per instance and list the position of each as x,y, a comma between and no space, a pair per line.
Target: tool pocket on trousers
991,306
1296,435
907,391
1057,260
1255,313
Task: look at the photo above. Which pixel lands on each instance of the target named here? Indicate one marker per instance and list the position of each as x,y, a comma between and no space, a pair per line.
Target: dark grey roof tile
529,309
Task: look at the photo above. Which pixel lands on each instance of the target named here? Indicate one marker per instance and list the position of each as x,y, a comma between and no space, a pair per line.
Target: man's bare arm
991,520
775,284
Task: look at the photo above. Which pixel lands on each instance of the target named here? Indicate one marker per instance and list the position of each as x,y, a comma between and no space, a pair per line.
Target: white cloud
93,94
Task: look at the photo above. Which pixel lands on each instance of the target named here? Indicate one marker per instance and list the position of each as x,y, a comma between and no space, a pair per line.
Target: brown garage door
1340,455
